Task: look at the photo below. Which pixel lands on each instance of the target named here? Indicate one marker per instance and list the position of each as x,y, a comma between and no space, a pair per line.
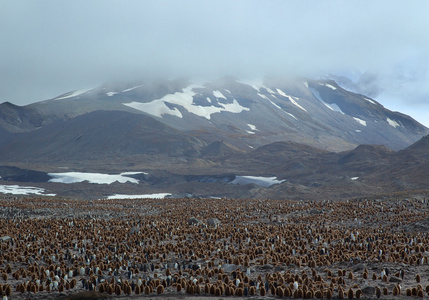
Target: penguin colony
219,247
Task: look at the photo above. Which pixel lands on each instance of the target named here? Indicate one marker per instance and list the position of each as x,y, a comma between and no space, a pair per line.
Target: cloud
52,47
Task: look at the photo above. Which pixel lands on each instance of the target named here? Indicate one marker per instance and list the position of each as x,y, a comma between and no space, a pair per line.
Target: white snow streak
369,100
282,93
329,86
392,123
275,104
130,89
291,99
110,94
73,94
263,96
291,115
269,90
362,122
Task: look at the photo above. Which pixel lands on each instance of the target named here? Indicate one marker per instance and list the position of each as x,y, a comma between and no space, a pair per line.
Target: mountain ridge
318,113
307,137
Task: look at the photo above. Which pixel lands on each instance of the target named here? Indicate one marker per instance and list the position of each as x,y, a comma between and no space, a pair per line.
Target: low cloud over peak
51,47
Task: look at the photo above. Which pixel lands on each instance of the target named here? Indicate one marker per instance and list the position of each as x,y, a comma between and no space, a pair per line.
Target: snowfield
258,180
147,196
159,107
98,178
22,190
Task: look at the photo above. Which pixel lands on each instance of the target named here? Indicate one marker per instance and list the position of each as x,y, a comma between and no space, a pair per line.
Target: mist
51,47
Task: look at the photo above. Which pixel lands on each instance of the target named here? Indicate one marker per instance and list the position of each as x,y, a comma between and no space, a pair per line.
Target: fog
50,47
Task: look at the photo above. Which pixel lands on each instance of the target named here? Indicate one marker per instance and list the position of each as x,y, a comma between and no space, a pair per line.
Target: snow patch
130,89
258,180
159,107
218,94
269,90
98,178
295,103
336,108
252,127
354,178
369,100
333,106
291,99
275,104
110,94
282,93
72,94
357,130
263,96
255,83
209,100
145,196
329,86
392,123
361,122
306,84
23,190
291,115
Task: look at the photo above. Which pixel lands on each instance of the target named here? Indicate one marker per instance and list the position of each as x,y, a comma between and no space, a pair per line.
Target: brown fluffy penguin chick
378,292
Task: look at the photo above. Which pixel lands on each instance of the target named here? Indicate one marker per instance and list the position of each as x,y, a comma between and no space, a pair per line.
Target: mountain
296,138
245,115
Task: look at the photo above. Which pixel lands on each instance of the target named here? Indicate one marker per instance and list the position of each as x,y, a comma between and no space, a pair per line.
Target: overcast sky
50,47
